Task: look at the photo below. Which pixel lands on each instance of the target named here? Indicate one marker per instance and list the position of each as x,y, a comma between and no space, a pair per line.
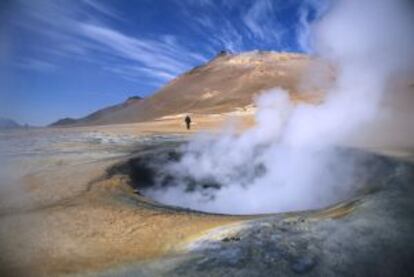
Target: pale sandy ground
60,216
174,124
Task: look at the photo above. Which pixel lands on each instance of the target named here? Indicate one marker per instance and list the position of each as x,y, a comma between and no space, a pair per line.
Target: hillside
6,123
227,82
98,115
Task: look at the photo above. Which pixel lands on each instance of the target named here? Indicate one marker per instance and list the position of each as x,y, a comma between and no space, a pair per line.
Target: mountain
7,123
67,121
227,82
98,116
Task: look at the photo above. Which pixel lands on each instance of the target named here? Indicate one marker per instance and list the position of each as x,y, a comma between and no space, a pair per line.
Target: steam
290,159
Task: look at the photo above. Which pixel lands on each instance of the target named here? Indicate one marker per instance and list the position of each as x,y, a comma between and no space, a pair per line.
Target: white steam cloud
289,160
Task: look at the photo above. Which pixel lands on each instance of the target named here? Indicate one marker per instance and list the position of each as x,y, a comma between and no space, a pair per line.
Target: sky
68,58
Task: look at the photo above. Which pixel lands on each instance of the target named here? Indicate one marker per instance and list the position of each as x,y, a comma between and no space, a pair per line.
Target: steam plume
289,160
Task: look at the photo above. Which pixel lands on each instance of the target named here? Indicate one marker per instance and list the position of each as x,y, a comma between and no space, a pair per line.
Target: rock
303,264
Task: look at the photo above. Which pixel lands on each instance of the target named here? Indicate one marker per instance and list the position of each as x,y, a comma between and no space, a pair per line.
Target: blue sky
67,58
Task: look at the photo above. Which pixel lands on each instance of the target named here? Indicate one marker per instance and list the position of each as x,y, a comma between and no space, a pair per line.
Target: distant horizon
73,58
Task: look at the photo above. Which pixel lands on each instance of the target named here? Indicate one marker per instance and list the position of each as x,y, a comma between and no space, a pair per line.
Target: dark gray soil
376,238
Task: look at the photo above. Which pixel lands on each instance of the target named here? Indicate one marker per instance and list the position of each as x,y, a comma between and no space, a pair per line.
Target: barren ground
60,215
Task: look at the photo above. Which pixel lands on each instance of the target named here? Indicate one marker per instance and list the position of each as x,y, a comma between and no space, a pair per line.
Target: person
188,122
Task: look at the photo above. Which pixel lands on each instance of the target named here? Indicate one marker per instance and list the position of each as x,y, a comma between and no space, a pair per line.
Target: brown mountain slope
97,116
227,82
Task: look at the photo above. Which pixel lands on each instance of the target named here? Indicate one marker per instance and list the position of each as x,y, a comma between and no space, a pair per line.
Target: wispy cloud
103,9
262,22
96,32
316,8
139,74
35,64
151,54
87,36
257,15
229,37
202,2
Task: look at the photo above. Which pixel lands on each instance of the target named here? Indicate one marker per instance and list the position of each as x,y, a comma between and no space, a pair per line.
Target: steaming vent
152,175
291,158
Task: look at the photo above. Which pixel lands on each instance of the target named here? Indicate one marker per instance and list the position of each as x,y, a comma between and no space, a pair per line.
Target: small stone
303,264
227,239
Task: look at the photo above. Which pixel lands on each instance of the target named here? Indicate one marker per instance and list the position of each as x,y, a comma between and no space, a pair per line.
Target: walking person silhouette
188,122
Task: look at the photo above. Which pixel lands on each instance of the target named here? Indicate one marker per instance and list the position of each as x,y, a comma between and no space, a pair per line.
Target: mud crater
146,172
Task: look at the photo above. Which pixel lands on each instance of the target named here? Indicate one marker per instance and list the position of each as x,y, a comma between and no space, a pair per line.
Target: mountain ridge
7,123
225,83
